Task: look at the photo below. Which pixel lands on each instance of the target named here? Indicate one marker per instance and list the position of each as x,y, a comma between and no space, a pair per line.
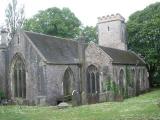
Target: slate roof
64,51
122,57
54,49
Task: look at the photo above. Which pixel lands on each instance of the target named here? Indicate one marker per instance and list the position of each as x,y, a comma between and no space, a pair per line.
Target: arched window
92,79
132,78
121,78
19,78
143,75
68,81
142,78
138,81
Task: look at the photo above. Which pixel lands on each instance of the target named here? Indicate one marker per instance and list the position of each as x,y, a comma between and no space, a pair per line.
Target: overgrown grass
143,107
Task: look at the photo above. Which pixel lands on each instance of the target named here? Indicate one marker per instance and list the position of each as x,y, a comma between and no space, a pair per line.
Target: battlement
110,18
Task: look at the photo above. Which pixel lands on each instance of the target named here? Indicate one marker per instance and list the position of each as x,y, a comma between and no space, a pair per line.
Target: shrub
2,95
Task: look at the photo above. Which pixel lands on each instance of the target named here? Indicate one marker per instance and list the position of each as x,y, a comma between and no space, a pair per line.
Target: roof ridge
67,39
115,49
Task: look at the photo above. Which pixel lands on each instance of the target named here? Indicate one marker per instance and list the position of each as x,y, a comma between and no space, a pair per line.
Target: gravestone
75,98
63,105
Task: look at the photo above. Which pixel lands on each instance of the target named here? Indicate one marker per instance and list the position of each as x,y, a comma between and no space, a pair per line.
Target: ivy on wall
128,76
110,85
129,80
106,85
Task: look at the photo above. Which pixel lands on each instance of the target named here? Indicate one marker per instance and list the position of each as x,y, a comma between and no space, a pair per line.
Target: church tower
112,31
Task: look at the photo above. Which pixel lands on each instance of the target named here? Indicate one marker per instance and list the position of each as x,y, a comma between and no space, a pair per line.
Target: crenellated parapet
112,17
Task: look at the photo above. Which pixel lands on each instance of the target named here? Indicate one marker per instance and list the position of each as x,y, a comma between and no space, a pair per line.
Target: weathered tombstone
9,102
25,102
102,97
41,100
110,96
4,102
83,96
75,98
118,98
130,92
63,105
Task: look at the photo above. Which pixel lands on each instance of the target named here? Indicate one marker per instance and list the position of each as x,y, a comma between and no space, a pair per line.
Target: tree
14,17
90,34
144,37
54,21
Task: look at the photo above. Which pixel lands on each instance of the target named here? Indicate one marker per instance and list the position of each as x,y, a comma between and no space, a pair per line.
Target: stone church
43,69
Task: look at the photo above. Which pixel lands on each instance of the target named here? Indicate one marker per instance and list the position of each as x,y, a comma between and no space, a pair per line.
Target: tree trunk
151,79
151,70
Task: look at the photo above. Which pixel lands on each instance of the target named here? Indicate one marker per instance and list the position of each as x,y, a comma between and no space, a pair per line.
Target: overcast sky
86,10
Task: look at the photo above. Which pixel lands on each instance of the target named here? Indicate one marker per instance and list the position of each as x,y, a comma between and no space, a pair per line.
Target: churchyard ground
143,107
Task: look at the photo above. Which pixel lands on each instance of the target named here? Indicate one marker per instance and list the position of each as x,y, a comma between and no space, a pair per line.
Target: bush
2,95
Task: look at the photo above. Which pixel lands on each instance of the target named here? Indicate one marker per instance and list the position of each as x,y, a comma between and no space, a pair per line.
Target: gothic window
40,82
19,75
143,78
138,81
68,81
121,78
121,81
133,77
92,79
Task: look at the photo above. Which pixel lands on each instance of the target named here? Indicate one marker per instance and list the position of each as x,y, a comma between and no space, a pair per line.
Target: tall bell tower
112,31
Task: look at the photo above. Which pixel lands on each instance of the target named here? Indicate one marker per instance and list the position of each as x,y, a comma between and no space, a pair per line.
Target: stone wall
135,78
97,57
34,65
55,74
136,75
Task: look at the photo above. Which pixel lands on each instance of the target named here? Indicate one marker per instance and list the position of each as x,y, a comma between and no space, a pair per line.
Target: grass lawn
143,107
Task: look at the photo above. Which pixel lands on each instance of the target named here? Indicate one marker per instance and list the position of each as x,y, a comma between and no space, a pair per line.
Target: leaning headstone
63,105
4,102
118,98
102,97
41,100
75,98
84,96
110,96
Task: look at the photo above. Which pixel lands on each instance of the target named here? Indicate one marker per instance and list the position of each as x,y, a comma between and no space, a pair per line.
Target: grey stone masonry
112,31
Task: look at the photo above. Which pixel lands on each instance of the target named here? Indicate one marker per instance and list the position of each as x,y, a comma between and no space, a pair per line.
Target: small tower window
108,28
18,39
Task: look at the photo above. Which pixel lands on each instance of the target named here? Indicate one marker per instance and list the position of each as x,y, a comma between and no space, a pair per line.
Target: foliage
144,36
60,22
2,95
142,107
112,86
115,88
107,84
90,34
54,21
129,79
14,17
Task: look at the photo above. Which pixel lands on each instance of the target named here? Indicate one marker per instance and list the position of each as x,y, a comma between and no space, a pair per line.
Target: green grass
143,107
